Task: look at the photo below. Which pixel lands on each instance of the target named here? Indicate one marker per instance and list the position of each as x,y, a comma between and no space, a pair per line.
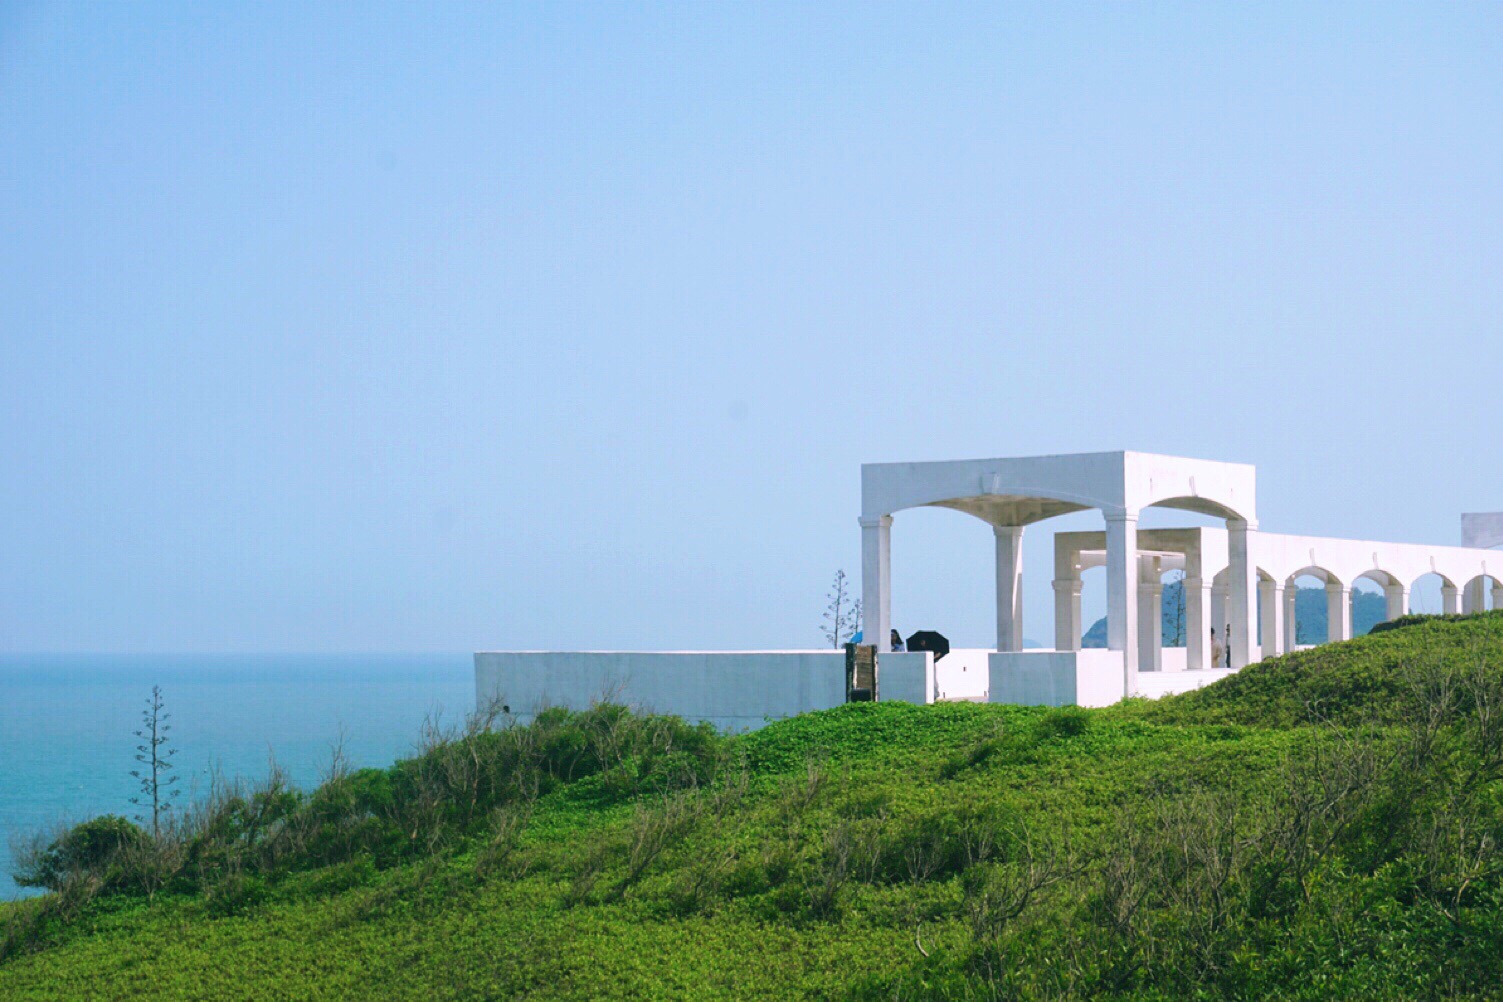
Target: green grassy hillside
1322,825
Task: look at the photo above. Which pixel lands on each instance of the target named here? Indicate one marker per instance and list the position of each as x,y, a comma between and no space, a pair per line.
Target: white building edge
1229,574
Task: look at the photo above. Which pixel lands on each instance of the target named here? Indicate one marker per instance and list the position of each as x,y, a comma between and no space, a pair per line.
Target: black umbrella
928,640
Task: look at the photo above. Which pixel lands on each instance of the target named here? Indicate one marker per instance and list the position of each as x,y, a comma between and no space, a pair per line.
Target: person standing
1218,653
897,641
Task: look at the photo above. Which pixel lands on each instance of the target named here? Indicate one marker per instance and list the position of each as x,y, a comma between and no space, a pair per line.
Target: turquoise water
66,745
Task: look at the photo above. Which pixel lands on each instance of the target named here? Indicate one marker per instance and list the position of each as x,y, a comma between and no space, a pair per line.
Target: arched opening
1270,618
1369,601
1312,605
953,586
944,578
945,581
1481,594
1427,594
1218,650
1172,607
1173,622
1093,606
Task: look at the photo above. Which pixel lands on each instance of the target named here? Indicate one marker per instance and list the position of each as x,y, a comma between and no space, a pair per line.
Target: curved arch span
1199,505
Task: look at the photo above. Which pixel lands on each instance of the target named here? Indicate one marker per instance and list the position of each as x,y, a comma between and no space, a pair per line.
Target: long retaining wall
1154,684
742,690
1089,677
963,675
906,677
734,690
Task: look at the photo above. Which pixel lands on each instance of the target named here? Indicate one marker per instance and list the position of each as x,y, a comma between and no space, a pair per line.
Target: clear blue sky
441,327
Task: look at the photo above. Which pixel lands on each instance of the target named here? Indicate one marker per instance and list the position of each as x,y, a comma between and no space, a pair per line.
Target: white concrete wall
1156,684
1091,677
1033,678
741,690
736,690
963,674
1171,659
1098,677
906,676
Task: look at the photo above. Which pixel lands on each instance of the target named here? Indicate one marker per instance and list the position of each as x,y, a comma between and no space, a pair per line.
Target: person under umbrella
929,640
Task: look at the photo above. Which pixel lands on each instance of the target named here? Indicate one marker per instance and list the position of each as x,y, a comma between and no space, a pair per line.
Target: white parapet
1089,677
962,675
734,690
1156,684
907,677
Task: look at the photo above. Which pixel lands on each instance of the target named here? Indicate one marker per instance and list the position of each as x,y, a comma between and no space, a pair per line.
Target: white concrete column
1197,622
876,581
1009,587
1150,614
1497,594
1270,617
1067,614
1396,600
1273,645
1067,587
1241,613
1338,612
1449,600
1122,593
1291,627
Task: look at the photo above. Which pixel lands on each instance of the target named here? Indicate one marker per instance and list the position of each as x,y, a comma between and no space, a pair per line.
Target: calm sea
66,745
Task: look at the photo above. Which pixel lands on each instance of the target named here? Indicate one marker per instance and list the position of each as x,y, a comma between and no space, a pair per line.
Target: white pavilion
1238,581
1230,573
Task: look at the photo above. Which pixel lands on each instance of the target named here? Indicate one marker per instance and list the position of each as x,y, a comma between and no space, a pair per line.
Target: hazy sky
443,327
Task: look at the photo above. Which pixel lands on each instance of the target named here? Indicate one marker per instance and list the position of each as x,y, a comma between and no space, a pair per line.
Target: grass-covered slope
1371,678
1319,826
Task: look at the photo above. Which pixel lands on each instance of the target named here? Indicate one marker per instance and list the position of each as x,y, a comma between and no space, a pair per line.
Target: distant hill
1368,610
1172,618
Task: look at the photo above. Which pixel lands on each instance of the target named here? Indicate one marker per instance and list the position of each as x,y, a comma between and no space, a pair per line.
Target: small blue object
856,638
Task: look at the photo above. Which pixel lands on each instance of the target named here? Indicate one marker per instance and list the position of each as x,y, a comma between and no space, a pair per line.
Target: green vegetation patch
1322,825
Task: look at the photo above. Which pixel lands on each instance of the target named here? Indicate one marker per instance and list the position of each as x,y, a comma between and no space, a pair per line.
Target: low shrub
341,877
945,842
1065,722
234,894
92,849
